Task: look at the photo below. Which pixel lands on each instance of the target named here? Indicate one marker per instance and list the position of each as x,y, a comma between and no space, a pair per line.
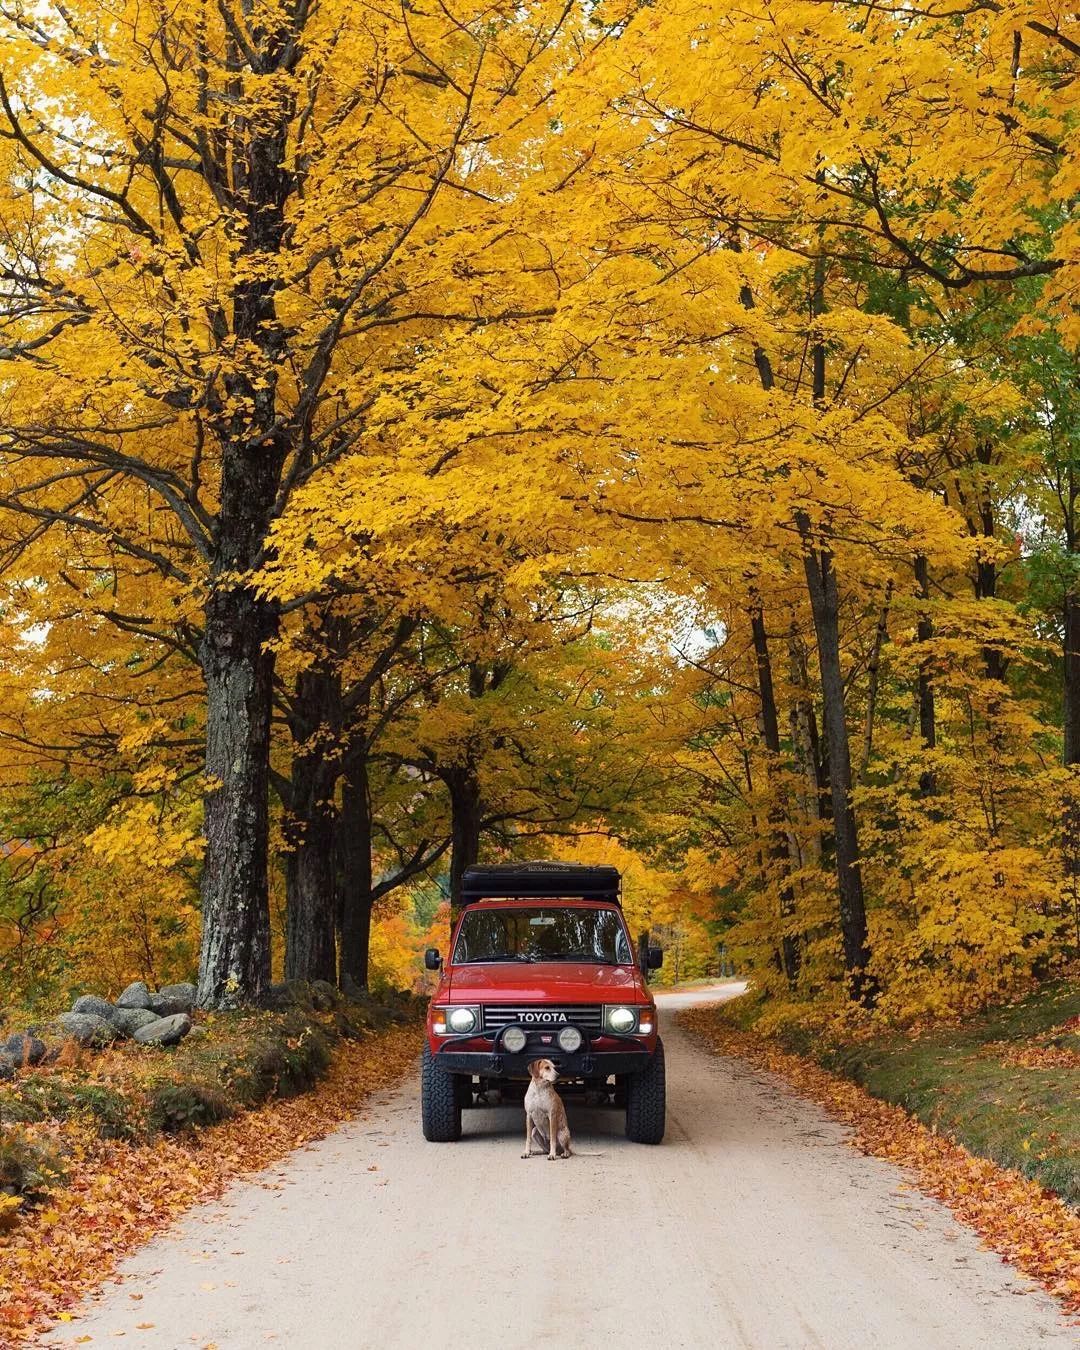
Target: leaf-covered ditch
936,1097
98,1152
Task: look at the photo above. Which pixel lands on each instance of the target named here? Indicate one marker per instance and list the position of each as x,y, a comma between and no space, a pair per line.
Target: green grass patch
247,1058
990,1083
52,1095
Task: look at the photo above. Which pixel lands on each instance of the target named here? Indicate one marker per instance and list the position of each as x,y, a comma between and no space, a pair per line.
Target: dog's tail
580,1153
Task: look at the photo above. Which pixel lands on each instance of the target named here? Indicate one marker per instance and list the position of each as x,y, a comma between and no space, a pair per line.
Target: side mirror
432,959
655,958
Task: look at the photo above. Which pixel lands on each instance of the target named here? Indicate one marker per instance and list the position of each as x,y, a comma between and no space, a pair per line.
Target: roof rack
544,878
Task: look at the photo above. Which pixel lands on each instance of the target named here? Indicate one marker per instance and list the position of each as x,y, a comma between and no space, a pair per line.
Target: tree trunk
1072,676
234,960
465,826
881,636
770,727
825,606
1071,700
354,824
778,848
927,711
986,574
804,736
310,898
310,877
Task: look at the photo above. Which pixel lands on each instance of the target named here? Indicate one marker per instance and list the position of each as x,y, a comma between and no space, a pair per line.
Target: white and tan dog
545,1115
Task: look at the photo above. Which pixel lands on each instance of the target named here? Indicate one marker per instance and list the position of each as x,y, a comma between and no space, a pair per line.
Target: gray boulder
25,1048
134,996
7,1066
90,1003
130,1020
165,1006
178,993
164,1031
87,1028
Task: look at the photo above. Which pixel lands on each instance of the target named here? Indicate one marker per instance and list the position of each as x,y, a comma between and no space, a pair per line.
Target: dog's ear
534,1068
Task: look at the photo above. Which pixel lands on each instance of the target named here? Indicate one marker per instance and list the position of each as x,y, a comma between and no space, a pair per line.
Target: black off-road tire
646,1101
440,1102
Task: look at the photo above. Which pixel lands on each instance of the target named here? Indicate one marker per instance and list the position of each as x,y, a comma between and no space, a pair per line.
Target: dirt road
753,1226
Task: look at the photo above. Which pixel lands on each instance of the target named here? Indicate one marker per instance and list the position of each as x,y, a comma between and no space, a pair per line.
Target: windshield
543,933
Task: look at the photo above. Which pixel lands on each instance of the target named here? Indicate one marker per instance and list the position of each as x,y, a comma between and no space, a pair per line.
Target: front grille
544,1016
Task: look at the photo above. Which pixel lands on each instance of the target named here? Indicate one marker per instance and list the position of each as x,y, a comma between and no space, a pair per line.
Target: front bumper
631,1056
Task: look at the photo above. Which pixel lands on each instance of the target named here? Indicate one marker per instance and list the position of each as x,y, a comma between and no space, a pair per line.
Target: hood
545,982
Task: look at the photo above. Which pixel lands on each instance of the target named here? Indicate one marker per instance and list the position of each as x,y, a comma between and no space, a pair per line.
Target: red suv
542,966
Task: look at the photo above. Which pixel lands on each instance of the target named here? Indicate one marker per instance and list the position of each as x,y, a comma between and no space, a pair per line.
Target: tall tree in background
256,196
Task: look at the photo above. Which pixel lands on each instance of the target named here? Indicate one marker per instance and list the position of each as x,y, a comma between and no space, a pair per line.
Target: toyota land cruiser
541,966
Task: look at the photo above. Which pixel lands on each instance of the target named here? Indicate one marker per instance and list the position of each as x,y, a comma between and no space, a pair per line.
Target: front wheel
440,1101
646,1101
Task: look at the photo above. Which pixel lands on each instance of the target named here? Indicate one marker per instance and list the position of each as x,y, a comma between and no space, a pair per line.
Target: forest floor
754,1226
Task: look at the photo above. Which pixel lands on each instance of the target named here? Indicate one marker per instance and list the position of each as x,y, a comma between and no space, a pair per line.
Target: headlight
514,1040
461,1020
569,1039
621,1020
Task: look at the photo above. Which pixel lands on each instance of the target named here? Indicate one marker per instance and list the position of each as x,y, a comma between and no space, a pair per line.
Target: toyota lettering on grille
547,1018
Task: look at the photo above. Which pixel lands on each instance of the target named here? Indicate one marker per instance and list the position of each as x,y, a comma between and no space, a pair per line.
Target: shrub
280,1066
176,1108
29,1168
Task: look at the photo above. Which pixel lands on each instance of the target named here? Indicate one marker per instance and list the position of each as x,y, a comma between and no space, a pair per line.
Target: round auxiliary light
462,1019
622,1019
569,1039
514,1040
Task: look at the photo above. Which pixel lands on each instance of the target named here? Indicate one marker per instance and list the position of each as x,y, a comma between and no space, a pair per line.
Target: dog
545,1115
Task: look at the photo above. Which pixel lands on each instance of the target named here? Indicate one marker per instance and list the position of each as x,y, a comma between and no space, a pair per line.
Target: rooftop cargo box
540,880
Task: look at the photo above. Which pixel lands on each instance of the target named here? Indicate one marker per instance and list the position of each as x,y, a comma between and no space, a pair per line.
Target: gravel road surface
753,1226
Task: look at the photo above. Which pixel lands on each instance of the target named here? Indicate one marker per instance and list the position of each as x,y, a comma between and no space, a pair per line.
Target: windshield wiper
583,956
497,956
